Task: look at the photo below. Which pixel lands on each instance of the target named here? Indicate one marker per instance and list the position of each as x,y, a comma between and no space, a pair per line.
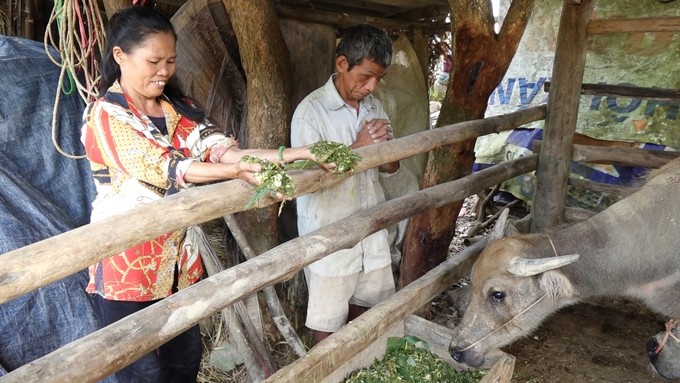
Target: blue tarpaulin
43,193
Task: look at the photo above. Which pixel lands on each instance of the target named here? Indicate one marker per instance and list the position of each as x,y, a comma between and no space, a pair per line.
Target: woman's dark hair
129,28
365,41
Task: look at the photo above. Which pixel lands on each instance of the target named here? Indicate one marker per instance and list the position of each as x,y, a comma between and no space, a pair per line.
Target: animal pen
27,268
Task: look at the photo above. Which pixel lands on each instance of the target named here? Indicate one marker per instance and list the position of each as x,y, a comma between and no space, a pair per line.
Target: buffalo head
515,284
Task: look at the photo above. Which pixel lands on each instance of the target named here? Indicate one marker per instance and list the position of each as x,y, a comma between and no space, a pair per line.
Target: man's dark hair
365,42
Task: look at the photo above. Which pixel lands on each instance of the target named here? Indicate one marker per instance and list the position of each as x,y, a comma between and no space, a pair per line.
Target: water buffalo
628,250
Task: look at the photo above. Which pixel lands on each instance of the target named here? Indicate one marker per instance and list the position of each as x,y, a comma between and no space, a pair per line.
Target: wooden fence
123,342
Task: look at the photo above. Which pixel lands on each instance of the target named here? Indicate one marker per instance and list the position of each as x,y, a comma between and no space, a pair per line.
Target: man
344,284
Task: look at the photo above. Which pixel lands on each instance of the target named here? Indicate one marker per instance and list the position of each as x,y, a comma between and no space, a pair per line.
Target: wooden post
266,63
547,209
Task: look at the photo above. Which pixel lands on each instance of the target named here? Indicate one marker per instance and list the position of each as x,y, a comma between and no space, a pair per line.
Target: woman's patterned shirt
133,164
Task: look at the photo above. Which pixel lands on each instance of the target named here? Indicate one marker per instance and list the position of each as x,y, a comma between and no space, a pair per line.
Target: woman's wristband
281,161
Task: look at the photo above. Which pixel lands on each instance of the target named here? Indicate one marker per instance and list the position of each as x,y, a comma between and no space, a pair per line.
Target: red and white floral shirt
134,164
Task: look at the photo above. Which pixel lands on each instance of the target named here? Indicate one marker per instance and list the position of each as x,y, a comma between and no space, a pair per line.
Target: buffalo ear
498,230
511,230
557,285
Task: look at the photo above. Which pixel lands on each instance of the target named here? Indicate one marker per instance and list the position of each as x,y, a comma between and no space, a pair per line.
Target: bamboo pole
137,334
273,303
259,363
25,269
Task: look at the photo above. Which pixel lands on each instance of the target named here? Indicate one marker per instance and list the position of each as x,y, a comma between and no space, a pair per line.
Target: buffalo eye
497,296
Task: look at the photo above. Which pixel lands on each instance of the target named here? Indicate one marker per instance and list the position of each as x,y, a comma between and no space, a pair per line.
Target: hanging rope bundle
79,40
5,24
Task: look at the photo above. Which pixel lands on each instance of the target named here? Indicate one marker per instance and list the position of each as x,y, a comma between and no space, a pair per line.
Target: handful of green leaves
327,152
408,359
272,179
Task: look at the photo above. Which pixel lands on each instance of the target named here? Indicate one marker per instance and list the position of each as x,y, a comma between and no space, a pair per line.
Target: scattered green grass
408,359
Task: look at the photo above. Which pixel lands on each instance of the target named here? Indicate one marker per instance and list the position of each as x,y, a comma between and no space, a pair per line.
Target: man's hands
375,131
372,132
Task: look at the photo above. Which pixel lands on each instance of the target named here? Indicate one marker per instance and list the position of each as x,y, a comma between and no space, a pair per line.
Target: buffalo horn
499,228
526,267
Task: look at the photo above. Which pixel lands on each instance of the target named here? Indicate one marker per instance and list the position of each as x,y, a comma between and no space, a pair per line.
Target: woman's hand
245,171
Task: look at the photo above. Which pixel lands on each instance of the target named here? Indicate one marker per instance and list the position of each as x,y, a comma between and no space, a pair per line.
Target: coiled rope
80,38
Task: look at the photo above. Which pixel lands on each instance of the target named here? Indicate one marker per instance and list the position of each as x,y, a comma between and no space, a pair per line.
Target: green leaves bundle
272,179
329,151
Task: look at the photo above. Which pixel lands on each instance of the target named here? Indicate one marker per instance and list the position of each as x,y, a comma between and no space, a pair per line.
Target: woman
145,140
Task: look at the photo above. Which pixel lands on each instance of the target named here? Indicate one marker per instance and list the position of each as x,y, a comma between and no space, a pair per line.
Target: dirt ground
599,341
588,342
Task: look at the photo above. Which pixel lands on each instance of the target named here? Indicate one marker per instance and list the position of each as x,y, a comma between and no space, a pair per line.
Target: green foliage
329,151
408,359
272,179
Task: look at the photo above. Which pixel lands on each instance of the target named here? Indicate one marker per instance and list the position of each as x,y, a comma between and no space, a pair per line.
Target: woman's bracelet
281,148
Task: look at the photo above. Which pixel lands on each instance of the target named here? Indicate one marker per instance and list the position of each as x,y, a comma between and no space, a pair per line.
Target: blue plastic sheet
43,194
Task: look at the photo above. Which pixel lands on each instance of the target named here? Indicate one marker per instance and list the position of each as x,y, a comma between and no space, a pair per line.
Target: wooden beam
616,155
409,3
426,13
640,25
340,6
626,91
30,267
344,20
621,191
622,156
560,124
143,331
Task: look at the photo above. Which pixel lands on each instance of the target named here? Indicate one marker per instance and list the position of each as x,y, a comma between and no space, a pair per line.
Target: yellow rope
80,35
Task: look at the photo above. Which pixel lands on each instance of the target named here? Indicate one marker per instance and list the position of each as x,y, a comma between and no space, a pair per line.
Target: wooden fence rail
128,339
36,265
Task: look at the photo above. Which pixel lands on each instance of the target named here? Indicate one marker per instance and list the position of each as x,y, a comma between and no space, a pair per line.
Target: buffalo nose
456,354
